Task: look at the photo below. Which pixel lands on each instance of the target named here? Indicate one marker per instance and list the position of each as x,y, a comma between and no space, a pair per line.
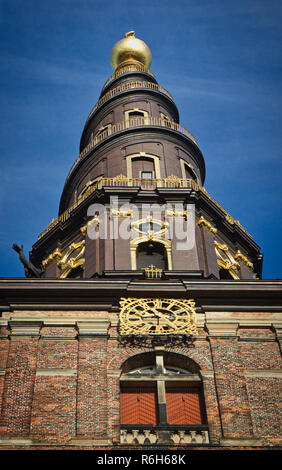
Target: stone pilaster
92,379
230,380
20,378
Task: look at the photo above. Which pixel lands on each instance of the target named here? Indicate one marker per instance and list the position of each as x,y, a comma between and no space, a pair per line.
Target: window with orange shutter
138,405
184,406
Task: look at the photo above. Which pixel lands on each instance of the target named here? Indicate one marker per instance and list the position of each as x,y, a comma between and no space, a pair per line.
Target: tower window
164,117
151,253
143,167
161,395
135,114
146,174
189,173
104,131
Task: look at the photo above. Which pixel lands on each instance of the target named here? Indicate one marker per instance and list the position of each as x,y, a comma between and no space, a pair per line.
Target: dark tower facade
144,320
137,160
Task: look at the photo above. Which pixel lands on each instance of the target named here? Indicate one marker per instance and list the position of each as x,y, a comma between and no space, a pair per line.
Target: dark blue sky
220,60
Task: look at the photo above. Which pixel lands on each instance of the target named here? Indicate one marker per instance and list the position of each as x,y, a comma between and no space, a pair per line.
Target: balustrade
141,436
126,69
127,124
125,87
144,184
119,181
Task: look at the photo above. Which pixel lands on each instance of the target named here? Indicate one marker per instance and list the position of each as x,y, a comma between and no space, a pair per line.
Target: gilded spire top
130,48
130,34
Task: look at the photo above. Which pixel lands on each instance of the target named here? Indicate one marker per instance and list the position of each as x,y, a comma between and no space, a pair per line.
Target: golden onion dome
130,48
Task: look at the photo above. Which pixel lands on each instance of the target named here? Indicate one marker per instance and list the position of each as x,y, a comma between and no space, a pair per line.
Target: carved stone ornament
157,317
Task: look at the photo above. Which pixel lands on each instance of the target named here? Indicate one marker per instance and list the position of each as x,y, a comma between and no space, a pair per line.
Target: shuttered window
138,405
184,406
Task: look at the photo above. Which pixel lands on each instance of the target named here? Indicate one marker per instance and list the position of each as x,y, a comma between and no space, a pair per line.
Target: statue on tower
29,268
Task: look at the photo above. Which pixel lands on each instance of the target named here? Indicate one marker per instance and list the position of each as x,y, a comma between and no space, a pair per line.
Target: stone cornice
17,291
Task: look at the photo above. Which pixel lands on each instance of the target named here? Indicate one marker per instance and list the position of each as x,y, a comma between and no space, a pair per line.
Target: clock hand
160,315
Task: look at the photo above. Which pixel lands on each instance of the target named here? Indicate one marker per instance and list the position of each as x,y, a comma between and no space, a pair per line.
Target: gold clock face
157,316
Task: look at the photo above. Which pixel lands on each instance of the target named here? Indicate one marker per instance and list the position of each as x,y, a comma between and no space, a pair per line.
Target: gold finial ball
130,48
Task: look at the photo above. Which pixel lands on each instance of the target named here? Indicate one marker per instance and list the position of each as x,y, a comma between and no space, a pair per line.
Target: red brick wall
4,351
18,387
231,389
92,387
65,385
54,409
54,400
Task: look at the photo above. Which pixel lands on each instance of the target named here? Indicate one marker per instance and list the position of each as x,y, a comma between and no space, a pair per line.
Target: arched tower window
89,184
143,165
162,391
188,171
135,114
151,253
103,132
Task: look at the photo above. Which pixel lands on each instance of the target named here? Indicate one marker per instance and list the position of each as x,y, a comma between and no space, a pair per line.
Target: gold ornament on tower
129,49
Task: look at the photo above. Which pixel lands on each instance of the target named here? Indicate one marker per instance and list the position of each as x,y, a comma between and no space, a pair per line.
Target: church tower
136,189
143,321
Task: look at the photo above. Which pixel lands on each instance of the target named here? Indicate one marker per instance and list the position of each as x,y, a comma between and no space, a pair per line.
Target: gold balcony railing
139,121
125,87
123,181
128,68
144,184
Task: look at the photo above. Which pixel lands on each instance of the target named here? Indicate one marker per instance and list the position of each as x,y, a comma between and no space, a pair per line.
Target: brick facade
61,383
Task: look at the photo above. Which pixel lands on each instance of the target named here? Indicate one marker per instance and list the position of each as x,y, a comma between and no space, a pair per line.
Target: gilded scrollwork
94,220
176,213
226,260
68,263
240,257
53,256
150,227
204,223
121,213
